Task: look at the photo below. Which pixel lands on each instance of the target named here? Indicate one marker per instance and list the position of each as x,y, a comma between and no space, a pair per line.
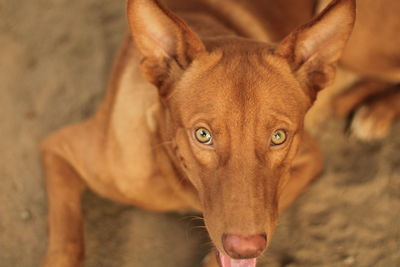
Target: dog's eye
203,136
278,137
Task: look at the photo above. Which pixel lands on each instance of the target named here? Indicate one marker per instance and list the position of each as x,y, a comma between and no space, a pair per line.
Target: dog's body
372,50
135,149
370,76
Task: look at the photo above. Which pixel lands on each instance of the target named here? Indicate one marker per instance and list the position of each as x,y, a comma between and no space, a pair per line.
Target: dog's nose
244,247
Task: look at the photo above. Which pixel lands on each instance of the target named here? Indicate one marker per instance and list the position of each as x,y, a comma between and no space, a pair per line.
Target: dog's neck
207,26
226,18
219,26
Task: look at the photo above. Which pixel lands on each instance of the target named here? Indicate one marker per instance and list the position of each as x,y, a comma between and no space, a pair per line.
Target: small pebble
25,215
349,260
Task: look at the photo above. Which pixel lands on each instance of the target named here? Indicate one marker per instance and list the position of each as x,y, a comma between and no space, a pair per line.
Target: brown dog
215,125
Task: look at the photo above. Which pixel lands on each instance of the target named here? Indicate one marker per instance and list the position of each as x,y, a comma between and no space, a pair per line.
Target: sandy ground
55,56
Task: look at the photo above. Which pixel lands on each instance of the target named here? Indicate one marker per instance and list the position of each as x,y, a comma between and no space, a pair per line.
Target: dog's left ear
166,42
313,49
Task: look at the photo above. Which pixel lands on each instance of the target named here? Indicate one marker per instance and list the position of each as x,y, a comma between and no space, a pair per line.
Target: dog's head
234,109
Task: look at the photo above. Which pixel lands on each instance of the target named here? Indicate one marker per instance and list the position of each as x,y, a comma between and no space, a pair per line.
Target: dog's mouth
226,261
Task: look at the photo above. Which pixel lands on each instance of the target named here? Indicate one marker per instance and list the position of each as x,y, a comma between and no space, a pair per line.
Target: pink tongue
229,262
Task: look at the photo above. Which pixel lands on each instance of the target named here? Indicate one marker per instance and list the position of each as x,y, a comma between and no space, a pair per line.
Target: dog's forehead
248,81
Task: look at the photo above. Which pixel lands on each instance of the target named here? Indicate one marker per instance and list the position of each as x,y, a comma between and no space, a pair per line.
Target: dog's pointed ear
313,49
166,42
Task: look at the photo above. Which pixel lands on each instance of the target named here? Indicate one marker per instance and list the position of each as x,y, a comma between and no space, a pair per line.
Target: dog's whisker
208,244
194,218
197,219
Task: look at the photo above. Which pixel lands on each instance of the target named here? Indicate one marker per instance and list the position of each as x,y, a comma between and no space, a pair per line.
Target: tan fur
178,75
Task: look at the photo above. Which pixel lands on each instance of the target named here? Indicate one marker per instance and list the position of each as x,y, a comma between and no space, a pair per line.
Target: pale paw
372,122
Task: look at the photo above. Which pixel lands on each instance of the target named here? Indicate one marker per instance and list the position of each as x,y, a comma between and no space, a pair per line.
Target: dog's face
235,110
237,122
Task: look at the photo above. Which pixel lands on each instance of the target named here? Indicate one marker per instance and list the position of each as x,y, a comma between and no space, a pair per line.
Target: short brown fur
200,68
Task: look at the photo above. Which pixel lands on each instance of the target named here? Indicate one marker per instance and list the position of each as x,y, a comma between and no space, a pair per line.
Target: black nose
244,247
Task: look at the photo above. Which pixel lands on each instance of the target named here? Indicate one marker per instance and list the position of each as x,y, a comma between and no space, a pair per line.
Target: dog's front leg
64,189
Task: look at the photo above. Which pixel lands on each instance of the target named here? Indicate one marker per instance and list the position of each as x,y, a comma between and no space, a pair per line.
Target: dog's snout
244,247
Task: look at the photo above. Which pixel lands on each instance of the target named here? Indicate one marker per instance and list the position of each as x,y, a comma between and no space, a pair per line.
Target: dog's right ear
166,42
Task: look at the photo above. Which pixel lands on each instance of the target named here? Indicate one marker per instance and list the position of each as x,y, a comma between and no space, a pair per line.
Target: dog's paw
372,121
356,95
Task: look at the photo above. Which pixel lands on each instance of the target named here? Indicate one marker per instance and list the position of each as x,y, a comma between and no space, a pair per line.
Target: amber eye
278,137
203,136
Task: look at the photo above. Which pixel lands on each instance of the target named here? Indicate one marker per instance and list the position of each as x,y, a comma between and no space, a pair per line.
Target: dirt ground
55,56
